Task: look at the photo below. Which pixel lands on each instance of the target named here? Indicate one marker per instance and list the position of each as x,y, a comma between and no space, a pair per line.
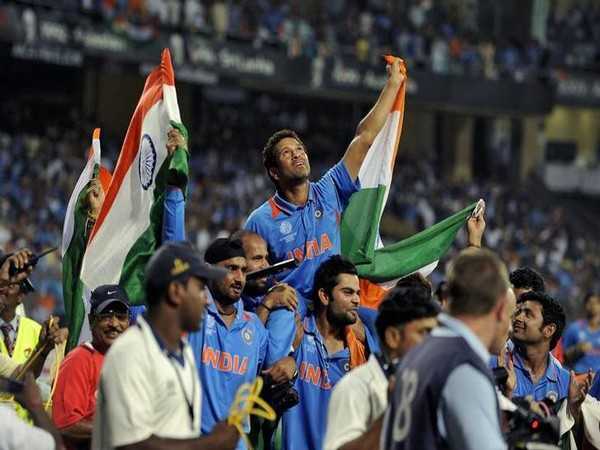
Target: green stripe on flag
360,224
71,269
417,251
174,171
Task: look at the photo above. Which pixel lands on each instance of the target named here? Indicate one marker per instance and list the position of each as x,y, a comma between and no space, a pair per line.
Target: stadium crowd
468,368
445,37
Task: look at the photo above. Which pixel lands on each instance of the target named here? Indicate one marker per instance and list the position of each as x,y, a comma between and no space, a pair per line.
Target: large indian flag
128,229
378,266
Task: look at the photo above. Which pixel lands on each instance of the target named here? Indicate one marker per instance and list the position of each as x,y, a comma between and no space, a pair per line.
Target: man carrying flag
302,219
144,205
82,211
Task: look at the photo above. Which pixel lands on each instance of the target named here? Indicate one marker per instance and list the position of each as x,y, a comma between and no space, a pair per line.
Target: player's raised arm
371,124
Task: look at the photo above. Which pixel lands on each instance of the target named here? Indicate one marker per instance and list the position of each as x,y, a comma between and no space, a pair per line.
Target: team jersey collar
212,309
310,327
551,371
290,208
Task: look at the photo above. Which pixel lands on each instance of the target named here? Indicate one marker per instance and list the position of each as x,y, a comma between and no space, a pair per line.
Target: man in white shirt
149,394
16,434
355,415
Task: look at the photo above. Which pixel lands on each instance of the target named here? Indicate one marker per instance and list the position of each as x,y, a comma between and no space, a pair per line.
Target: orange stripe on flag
399,103
152,94
105,178
371,294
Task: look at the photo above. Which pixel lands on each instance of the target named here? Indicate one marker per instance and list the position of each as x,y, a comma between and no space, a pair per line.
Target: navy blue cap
177,260
109,295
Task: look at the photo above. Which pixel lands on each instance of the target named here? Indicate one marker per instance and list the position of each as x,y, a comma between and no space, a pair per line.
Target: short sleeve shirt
226,358
74,398
309,233
553,384
145,390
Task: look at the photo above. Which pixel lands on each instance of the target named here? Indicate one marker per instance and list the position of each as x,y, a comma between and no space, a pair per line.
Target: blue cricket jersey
281,328
304,425
226,358
173,230
579,331
309,233
554,383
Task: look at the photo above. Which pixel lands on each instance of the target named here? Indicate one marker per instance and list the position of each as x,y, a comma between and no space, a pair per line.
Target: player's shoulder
261,214
80,354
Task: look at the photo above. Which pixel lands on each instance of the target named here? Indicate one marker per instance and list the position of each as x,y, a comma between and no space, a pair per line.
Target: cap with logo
175,261
109,297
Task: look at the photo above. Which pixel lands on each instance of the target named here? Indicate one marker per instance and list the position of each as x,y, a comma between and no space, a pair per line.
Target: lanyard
170,356
189,402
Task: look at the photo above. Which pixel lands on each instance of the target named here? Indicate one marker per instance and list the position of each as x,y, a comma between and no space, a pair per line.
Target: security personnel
444,397
20,335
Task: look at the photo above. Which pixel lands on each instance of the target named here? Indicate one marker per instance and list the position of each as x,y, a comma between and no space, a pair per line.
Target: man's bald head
255,249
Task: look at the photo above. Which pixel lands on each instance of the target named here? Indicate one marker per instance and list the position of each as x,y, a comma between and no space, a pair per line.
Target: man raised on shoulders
302,219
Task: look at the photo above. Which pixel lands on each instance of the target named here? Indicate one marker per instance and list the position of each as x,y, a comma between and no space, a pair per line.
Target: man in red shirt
74,400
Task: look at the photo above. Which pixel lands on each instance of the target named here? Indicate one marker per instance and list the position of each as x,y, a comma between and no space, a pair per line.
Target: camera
281,397
529,430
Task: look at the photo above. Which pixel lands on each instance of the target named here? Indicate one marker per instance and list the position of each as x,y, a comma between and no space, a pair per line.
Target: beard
256,288
341,319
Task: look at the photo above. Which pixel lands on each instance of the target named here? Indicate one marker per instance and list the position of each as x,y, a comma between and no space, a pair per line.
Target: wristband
266,307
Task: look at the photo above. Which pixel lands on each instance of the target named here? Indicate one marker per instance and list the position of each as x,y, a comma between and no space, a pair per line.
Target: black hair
552,312
405,304
415,280
269,152
527,278
326,277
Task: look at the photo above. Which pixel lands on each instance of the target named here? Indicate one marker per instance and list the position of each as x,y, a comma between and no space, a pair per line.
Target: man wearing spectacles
74,399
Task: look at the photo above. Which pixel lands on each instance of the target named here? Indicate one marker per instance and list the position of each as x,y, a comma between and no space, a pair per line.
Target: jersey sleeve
337,182
70,401
281,327
468,411
173,215
263,344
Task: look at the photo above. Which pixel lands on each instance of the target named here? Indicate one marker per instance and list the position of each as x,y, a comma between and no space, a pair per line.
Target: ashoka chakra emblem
147,161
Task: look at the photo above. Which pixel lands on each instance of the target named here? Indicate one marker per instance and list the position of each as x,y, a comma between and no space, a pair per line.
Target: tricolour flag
379,267
128,229
74,241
